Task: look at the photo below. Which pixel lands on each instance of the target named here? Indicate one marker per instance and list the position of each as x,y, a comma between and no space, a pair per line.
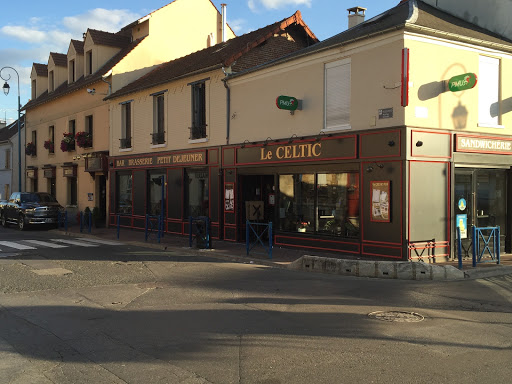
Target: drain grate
396,316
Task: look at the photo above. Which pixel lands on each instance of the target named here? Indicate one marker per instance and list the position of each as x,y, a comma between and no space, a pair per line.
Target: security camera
91,91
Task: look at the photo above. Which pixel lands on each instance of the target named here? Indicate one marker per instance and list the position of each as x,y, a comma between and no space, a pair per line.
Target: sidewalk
304,259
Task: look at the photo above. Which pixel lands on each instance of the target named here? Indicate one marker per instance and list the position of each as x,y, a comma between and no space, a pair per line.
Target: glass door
480,200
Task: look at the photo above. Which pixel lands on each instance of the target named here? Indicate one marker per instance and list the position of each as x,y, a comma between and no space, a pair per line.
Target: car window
46,198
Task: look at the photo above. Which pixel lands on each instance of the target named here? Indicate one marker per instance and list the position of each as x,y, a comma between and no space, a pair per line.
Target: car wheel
21,223
4,222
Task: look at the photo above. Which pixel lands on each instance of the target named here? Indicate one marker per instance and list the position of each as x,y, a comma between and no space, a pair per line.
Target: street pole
6,91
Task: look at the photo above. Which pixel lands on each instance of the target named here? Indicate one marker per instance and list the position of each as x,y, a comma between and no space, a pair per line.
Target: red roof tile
223,54
41,69
60,59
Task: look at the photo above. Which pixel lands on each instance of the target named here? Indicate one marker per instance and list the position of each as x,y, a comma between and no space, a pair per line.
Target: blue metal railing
483,245
150,229
267,228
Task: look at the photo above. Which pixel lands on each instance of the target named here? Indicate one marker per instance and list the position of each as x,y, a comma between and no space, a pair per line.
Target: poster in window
380,201
229,197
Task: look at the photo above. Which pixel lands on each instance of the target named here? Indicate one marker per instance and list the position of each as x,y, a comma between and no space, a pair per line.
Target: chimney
355,16
224,26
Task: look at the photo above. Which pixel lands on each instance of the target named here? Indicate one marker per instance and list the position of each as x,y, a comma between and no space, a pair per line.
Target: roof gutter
228,104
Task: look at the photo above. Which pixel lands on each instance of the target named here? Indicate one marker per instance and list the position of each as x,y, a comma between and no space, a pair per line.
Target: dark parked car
24,208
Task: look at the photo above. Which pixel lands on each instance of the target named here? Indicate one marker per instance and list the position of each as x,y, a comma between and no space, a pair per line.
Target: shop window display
323,203
124,194
197,193
156,181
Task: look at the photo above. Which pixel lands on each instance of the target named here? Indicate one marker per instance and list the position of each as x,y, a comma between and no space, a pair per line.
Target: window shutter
337,95
488,90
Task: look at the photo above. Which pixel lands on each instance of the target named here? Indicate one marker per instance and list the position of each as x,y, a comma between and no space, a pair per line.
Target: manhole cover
396,316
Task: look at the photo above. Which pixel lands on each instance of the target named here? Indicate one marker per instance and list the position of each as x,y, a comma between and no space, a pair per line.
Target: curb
401,270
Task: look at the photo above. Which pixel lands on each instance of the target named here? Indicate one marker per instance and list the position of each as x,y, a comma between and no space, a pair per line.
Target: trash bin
201,227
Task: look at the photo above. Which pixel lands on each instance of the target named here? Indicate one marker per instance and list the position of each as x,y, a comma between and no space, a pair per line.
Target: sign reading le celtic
462,82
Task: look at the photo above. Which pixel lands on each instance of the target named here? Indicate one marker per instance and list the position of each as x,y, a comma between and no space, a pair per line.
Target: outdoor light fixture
6,89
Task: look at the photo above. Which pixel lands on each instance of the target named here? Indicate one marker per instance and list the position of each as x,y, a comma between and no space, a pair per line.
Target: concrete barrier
403,270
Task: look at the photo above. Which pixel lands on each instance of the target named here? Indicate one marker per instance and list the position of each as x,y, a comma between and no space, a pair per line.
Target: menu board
380,201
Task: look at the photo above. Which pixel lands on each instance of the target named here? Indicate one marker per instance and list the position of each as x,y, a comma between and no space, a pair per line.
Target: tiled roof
12,129
60,59
79,46
220,55
41,69
410,15
120,39
82,82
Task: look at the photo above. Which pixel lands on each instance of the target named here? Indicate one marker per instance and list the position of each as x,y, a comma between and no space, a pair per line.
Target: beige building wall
171,23
255,117
431,105
41,82
178,116
58,113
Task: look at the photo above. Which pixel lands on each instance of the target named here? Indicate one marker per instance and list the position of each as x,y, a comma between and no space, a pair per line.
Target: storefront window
124,193
156,182
325,203
196,192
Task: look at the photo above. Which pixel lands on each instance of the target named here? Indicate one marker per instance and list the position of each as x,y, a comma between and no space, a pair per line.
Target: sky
32,29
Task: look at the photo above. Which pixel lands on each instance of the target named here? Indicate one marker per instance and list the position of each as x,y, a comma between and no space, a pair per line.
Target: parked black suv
25,208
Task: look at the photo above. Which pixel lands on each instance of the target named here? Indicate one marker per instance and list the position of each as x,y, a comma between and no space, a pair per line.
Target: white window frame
337,95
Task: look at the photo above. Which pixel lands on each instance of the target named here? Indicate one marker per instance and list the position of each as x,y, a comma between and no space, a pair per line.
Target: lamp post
6,89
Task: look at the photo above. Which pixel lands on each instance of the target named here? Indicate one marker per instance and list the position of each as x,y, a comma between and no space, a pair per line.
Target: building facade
67,119
357,145
169,127
9,159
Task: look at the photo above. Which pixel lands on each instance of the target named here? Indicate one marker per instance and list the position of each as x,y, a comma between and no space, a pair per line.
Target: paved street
83,311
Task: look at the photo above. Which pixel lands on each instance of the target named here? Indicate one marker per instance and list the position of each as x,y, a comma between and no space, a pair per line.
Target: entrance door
256,188
480,200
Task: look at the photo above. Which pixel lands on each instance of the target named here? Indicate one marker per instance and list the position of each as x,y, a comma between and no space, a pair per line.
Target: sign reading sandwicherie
160,160
299,151
462,82
483,145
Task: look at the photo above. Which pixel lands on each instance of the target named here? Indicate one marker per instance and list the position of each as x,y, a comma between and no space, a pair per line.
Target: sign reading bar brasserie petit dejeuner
162,160
484,145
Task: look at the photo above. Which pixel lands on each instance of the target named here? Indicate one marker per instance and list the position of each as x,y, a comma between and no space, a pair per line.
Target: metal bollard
90,222
118,225
459,247
270,240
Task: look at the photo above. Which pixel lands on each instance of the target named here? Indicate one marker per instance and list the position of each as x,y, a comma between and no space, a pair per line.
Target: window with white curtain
337,95
488,91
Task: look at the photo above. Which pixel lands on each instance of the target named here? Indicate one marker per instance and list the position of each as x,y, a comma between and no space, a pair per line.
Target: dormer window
34,90
51,85
88,63
71,67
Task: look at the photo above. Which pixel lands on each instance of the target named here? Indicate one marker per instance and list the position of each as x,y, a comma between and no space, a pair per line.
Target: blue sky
32,29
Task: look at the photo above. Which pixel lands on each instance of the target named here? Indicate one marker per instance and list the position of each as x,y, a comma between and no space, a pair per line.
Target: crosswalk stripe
45,244
72,242
15,245
106,242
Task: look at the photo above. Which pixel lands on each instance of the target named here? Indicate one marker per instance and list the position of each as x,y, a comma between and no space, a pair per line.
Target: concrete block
387,269
422,271
404,270
307,263
453,273
331,265
318,264
349,267
367,268
438,272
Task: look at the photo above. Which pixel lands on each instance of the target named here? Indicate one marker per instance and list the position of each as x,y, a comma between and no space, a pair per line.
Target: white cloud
256,5
110,20
237,25
28,35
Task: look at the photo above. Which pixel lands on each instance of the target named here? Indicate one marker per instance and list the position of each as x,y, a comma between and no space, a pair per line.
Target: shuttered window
488,91
337,95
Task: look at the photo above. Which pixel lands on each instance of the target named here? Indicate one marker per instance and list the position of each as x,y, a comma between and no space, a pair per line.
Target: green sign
462,82
288,103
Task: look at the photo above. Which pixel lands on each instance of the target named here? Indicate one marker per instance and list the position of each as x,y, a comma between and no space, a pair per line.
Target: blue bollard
270,240
90,222
476,244
498,244
459,247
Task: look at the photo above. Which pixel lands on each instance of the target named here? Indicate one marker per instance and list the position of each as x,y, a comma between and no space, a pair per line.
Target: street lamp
6,88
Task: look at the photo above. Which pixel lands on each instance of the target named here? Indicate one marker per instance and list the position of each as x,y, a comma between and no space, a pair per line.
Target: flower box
30,149
49,145
68,142
83,139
